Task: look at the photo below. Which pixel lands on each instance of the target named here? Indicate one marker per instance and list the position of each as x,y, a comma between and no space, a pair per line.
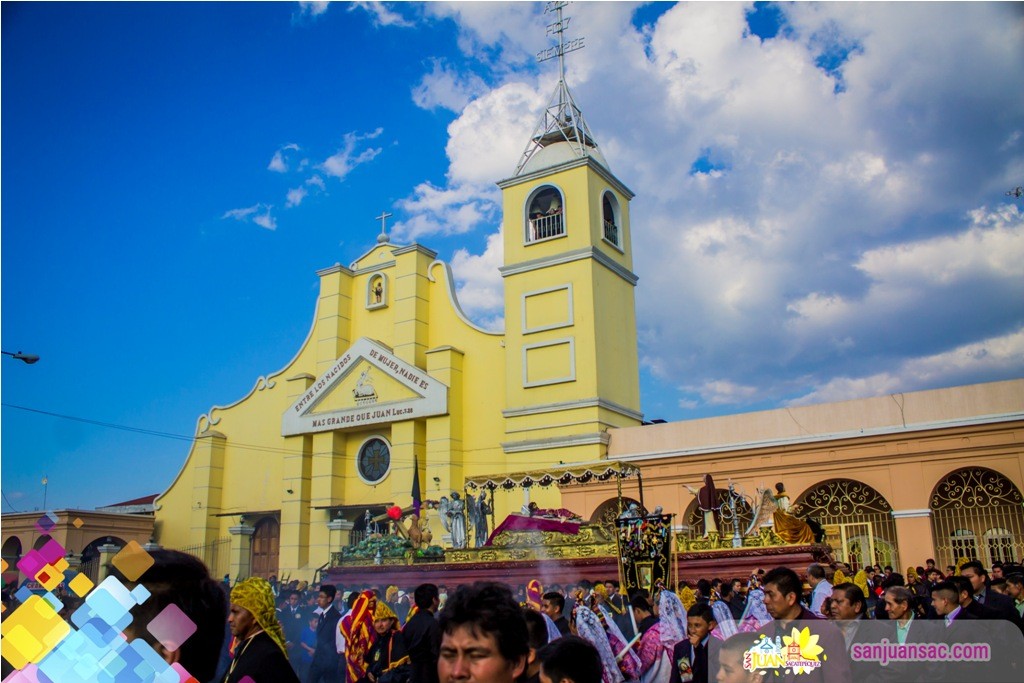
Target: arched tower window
545,214
611,220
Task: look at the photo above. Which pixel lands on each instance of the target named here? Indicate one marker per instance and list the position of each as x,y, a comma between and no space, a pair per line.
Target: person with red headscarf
534,594
357,629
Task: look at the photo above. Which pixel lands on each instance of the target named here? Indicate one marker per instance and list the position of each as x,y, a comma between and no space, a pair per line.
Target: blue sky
820,190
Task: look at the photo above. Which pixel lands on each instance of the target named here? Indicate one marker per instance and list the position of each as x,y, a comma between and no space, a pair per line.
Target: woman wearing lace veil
726,627
673,619
756,614
587,626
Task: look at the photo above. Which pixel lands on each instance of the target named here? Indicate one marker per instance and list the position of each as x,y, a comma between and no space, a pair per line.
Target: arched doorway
11,554
608,511
857,520
266,542
977,513
91,556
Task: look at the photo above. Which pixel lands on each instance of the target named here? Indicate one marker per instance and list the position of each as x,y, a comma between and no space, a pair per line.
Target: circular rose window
374,460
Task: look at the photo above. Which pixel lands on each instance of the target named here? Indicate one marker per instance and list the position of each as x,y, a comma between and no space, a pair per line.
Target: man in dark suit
326,666
1002,606
782,591
422,635
293,618
690,656
946,597
737,600
553,605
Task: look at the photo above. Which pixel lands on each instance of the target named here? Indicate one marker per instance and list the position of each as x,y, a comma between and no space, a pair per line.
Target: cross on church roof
562,120
383,218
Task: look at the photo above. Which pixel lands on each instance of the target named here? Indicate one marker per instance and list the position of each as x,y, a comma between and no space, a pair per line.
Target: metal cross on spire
383,218
562,120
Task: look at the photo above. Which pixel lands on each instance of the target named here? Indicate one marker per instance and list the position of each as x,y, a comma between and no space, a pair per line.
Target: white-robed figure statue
453,518
707,502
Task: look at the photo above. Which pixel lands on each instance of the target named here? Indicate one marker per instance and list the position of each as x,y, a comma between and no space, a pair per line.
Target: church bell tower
570,319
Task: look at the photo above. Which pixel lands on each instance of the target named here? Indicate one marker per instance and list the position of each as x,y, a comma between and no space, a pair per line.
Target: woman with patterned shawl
357,628
586,625
654,662
258,648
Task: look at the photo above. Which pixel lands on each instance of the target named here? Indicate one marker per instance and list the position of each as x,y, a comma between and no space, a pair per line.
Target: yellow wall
580,350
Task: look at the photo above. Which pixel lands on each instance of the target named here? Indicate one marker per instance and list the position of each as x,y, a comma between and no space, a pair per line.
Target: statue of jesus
706,501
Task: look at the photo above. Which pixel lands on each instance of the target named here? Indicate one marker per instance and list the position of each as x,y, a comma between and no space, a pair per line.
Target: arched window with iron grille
857,520
976,504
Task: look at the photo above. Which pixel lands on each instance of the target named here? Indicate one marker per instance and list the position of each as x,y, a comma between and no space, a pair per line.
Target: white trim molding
555,442
569,322
568,257
903,514
571,377
573,405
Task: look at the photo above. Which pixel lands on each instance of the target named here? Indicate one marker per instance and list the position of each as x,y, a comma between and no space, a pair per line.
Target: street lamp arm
28,358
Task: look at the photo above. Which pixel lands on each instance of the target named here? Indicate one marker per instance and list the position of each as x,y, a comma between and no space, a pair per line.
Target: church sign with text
387,389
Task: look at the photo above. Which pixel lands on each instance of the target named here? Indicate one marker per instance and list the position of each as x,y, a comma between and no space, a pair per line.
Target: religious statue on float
479,509
775,511
453,518
707,501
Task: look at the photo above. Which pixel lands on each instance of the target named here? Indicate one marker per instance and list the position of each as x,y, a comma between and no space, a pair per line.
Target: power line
233,444
9,503
146,432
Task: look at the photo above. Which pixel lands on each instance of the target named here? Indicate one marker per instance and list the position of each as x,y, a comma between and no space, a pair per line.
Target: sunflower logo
802,650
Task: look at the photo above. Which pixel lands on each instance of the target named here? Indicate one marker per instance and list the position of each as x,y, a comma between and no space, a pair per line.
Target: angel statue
453,518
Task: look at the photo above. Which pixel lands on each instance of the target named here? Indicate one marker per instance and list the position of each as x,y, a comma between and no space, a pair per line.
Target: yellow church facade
394,379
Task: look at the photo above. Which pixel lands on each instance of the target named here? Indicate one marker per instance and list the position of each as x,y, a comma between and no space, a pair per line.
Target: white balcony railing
543,227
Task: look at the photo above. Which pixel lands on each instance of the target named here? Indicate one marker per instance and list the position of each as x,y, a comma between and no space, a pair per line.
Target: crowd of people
588,632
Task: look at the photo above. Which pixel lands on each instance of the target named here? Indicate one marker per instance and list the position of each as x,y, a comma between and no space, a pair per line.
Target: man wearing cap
259,652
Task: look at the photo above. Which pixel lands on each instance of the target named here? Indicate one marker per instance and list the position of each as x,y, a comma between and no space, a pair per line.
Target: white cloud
486,141
479,284
446,88
342,162
316,181
295,196
494,32
312,9
907,276
451,211
722,392
257,213
996,357
381,14
278,163
837,235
